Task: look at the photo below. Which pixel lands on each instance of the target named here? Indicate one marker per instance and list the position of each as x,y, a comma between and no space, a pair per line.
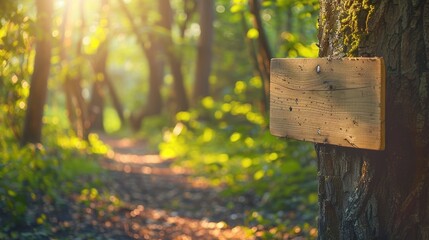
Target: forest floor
157,200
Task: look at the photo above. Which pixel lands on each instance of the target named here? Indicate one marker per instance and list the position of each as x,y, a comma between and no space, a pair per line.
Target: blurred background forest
189,76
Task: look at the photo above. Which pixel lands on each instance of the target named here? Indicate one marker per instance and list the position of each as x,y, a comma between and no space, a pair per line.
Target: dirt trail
162,202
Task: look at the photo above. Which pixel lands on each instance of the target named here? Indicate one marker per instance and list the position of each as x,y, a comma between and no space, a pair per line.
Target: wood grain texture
332,101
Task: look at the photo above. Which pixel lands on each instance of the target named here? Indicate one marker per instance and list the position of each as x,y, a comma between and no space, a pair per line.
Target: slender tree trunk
204,57
173,59
63,56
39,80
264,52
380,195
189,7
156,64
75,103
111,88
154,100
96,105
179,91
152,50
255,60
73,84
117,104
81,107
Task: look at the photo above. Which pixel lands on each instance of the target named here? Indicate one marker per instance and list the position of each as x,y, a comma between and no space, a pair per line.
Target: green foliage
35,177
16,37
228,142
112,123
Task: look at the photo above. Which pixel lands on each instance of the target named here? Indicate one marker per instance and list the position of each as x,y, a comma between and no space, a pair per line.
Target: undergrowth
36,181
228,143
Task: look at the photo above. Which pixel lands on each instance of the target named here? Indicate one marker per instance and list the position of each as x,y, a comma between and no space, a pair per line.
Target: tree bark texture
204,55
380,195
32,132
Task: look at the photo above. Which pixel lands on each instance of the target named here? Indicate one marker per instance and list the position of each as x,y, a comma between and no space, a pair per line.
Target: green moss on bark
354,23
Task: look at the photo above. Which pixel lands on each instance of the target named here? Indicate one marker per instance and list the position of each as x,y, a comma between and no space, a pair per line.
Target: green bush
36,178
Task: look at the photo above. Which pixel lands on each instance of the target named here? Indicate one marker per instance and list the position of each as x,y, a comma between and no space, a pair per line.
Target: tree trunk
264,52
173,58
76,106
39,80
152,50
75,103
154,100
380,195
96,105
117,104
63,56
258,68
204,57
189,7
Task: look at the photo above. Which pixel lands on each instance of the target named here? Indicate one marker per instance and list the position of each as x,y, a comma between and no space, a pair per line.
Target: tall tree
102,79
75,102
380,195
189,8
96,104
204,54
152,50
32,132
154,102
173,58
103,50
264,53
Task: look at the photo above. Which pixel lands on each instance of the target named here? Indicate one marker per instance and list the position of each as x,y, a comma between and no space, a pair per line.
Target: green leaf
208,102
235,137
267,3
252,33
183,116
259,174
246,162
11,193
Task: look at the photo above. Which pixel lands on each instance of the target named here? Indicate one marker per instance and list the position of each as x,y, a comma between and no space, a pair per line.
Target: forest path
163,202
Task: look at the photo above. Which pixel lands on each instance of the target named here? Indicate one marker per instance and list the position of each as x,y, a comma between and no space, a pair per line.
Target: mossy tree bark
380,195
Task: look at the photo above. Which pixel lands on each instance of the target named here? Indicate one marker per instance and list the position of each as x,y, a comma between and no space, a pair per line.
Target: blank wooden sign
332,101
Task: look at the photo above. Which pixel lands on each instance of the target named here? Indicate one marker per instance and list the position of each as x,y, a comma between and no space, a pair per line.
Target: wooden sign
332,101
